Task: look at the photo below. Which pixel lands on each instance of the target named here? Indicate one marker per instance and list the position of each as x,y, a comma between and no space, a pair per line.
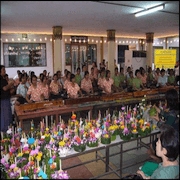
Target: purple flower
123,108
12,166
125,131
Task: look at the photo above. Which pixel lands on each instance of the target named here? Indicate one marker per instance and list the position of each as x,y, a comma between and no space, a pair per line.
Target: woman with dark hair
86,84
137,82
22,90
167,148
167,116
73,88
6,91
34,91
44,88
55,88
108,83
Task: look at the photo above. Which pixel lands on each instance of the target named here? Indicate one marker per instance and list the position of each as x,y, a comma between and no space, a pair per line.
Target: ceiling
91,18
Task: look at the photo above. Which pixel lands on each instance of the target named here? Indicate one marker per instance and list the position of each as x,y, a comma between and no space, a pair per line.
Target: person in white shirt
162,80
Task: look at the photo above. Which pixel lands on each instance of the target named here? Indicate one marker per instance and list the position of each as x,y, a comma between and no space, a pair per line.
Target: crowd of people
33,88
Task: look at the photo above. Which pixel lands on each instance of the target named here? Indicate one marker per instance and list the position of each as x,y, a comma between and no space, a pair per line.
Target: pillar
111,50
149,49
57,48
101,49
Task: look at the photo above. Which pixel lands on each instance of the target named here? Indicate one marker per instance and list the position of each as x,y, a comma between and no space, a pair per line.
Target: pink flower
12,166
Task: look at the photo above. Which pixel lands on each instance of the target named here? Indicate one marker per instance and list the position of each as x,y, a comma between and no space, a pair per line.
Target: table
105,159
57,111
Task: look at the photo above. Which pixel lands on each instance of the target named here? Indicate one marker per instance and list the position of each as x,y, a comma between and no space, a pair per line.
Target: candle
60,118
21,149
99,114
46,121
60,164
89,116
44,168
51,119
37,163
50,153
105,125
20,172
119,114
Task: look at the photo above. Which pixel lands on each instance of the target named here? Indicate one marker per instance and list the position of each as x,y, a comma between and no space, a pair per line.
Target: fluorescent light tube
149,11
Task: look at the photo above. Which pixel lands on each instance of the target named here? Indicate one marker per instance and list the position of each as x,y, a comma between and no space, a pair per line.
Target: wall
132,42
11,71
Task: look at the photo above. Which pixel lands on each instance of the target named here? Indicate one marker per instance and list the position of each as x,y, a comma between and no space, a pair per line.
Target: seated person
93,78
44,88
86,84
167,116
22,90
116,79
162,79
171,78
100,80
167,148
130,82
78,76
151,81
34,91
122,77
55,88
108,84
73,89
137,82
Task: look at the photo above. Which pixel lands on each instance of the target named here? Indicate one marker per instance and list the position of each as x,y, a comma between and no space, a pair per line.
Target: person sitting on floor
167,148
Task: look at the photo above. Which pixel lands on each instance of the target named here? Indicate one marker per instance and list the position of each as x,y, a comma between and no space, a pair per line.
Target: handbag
149,167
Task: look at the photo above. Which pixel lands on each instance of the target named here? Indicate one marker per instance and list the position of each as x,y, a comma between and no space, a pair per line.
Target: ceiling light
150,10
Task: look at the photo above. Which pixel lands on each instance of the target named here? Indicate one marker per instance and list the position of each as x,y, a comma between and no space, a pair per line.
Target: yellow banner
164,58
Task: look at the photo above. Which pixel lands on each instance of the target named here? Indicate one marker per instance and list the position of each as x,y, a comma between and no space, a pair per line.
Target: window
68,54
121,53
92,53
24,54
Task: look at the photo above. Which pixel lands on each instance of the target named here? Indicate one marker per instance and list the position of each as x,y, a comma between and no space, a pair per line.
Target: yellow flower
141,121
46,135
76,123
154,126
122,127
20,155
55,133
134,130
15,169
61,143
32,128
38,158
106,136
39,153
47,129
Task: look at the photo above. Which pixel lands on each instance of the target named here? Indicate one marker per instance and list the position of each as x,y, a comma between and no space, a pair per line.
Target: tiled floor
94,169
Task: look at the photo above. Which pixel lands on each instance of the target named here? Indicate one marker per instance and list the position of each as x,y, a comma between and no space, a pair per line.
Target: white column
58,53
111,50
149,49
